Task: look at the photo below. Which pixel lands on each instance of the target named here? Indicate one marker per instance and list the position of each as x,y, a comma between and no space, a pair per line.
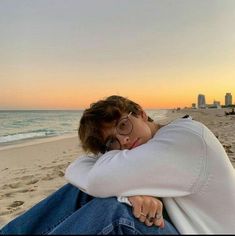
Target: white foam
16,137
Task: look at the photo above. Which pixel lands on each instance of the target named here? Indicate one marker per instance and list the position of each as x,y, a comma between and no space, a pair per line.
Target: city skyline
201,101
67,54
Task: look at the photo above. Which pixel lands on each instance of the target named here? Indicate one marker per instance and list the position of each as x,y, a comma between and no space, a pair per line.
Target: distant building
217,104
228,99
201,101
194,105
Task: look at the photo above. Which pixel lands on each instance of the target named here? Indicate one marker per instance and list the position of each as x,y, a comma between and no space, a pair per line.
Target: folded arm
158,168
78,171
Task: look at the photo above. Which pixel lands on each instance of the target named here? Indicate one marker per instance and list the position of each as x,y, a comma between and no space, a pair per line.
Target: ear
144,115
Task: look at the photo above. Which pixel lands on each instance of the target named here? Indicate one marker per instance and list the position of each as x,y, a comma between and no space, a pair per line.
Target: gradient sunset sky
66,54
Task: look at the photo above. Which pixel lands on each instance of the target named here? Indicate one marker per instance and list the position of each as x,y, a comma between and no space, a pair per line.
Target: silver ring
150,219
158,216
142,214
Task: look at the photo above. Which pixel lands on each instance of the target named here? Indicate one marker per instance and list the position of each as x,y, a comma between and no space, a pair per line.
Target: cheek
148,133
143,131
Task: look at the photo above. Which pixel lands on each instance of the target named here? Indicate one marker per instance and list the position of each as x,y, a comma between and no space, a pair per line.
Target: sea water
23,125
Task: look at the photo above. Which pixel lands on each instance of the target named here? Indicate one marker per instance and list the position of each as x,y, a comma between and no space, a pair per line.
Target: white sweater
183,163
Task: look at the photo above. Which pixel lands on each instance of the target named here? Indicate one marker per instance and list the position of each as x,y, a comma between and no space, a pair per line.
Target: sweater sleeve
77,172
168,166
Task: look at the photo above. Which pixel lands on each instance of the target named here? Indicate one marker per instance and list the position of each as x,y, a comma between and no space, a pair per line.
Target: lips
135,144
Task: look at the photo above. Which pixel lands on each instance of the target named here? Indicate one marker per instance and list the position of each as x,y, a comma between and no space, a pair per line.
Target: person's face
129,132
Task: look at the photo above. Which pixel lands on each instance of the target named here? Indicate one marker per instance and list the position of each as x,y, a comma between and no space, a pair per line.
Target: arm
77,172
168,165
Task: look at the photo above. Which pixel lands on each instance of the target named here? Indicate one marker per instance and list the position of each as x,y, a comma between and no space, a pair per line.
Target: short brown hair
100,113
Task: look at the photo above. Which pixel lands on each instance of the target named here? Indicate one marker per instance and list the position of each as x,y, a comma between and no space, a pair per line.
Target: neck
154,127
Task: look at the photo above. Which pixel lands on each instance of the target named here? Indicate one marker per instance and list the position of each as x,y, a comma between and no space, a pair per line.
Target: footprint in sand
14,185
33,181
10,194
25,190
26,177
48,177
16,204
60,173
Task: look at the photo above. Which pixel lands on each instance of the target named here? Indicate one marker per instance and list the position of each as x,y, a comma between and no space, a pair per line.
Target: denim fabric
70,211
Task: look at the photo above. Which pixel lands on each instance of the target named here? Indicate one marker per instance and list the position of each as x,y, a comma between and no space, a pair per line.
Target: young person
71,211
182,162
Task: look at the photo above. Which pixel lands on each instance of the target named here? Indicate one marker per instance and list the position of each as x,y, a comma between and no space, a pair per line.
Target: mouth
135,144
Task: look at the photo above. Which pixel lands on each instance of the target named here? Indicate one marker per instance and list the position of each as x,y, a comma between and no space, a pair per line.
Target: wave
28,135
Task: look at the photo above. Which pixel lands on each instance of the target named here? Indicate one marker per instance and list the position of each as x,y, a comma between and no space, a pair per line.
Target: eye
111,141
122,125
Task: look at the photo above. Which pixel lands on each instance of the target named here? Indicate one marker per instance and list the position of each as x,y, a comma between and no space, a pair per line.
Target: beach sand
29,172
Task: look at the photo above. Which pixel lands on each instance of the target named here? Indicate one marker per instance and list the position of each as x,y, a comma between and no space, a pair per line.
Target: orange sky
161,54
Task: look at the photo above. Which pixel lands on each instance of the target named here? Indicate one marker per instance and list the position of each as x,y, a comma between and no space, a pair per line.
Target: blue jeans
71,211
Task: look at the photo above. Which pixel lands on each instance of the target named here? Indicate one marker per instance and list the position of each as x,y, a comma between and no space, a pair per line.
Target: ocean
23,125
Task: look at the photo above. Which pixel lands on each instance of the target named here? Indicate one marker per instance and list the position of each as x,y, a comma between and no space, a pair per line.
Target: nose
123,139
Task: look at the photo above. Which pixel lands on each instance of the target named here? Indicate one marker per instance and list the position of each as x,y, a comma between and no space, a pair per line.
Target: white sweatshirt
184,163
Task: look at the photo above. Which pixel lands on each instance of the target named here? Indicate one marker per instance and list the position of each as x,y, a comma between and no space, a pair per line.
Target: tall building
201,101
228,99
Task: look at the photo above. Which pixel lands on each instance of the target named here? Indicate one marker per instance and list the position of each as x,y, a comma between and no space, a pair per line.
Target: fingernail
135,215
149,224
162,225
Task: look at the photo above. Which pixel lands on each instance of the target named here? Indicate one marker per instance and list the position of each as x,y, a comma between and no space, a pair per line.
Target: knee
112,207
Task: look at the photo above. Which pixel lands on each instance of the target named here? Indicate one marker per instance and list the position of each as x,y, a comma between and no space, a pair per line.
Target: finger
153,209
162,225
148,222
142,217
145,208
159,221
136,204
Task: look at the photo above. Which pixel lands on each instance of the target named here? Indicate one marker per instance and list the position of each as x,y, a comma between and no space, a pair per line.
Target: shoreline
33,141
38,140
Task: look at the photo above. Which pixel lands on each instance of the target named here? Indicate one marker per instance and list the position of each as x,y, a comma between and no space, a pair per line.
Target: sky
67,54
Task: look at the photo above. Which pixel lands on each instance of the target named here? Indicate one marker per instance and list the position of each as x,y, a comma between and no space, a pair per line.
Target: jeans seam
52,227
121,221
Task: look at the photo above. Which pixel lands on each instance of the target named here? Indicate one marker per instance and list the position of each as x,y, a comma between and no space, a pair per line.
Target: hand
148,210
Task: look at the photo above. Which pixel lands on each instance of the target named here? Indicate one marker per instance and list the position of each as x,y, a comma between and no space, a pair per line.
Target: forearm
155,169
77,172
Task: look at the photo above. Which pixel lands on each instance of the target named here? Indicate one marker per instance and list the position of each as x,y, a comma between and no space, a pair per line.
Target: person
69,210
183,163
230,113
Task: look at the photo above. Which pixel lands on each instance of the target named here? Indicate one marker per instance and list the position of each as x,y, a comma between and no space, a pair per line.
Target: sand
31,171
